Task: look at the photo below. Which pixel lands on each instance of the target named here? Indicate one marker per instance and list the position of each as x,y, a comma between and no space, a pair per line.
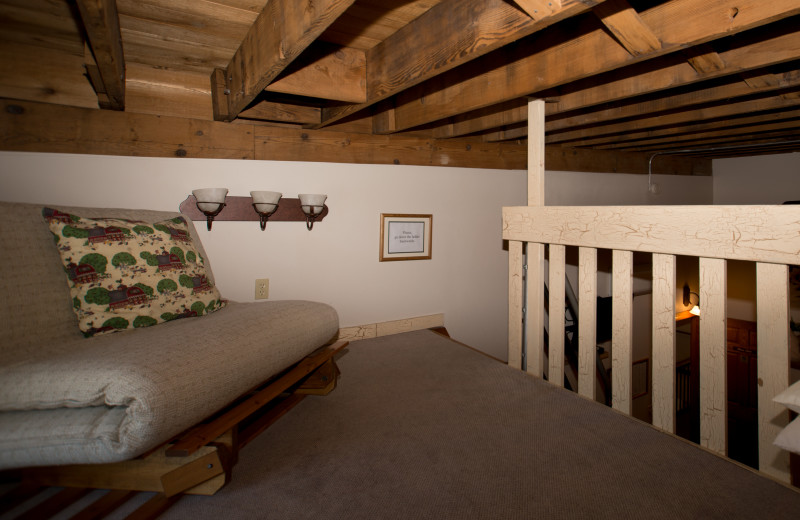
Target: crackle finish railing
767,235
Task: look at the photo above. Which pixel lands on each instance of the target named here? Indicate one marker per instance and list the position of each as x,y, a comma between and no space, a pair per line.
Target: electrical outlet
262,288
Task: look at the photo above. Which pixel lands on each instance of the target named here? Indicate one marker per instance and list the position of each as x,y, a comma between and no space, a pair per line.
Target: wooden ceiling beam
769,47
627,26
704,59
43,127
282,112
725,147
283,30
330,72
743,134
748,59
538,9
534,66
732,89
101,22
562,158
728,113
450,34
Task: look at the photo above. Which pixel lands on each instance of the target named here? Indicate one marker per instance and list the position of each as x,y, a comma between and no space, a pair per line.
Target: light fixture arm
211,214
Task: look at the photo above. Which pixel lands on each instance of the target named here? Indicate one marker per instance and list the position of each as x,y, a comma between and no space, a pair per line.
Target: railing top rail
768,234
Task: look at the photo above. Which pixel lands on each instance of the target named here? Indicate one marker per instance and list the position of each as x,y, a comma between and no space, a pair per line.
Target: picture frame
406,237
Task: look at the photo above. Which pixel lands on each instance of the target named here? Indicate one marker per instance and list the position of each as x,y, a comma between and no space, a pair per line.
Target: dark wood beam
789,119
346,147
101,21
742,145
720,116
770,46
537,65
448,35
538,9
283,30
282,112
41,127
562,158
327,72
627,26
732,89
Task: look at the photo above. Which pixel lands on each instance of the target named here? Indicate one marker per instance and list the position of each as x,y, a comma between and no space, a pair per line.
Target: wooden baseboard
387,328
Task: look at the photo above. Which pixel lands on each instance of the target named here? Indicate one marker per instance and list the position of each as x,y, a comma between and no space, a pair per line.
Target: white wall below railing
336,262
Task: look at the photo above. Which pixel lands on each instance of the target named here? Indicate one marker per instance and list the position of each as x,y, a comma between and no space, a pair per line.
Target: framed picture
406,237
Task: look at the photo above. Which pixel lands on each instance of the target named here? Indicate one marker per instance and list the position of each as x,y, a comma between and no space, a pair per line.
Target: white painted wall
764,179
336,262
618,189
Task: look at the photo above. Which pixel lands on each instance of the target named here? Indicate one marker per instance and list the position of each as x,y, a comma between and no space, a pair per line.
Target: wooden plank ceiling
405,81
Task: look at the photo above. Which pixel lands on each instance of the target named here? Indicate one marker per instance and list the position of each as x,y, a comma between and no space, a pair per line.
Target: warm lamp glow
695,310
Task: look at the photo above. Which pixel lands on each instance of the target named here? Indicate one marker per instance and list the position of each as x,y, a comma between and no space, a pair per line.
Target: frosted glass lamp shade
209,199
312,203
265,201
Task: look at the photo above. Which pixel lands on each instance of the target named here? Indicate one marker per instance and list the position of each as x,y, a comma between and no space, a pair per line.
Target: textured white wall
618,189
764,179
336,262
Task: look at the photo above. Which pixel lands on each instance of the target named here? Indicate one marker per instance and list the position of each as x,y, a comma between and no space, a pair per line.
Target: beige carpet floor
423,428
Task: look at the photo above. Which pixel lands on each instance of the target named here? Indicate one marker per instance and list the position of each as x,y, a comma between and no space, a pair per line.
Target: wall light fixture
312,205
265,203
210,201
687,300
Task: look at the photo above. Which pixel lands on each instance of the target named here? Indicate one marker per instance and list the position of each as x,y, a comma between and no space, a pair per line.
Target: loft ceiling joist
617,76
106,65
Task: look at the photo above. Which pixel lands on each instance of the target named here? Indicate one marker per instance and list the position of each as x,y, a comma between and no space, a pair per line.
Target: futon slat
54,504
103,506
206,433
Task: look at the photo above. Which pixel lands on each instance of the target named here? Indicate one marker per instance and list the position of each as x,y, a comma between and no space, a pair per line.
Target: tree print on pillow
127,274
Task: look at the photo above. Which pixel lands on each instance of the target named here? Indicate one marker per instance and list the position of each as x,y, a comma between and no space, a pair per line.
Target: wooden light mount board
241,209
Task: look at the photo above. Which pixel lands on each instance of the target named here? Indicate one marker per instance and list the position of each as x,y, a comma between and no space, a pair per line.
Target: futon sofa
134,382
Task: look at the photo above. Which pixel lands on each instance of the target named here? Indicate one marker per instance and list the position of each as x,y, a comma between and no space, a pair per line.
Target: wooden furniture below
199,461
742,388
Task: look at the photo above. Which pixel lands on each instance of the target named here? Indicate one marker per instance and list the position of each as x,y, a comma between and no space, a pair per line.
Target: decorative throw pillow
790,398
125,274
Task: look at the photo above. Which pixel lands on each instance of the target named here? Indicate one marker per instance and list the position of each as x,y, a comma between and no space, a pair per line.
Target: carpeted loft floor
423,428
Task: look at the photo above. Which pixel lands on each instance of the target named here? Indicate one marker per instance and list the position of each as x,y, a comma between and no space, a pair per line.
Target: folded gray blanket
110,398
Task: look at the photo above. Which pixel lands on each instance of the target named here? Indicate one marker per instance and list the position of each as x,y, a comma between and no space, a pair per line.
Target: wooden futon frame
198,461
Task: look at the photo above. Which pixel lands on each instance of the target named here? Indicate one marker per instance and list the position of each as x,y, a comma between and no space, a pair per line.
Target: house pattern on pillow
128,274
